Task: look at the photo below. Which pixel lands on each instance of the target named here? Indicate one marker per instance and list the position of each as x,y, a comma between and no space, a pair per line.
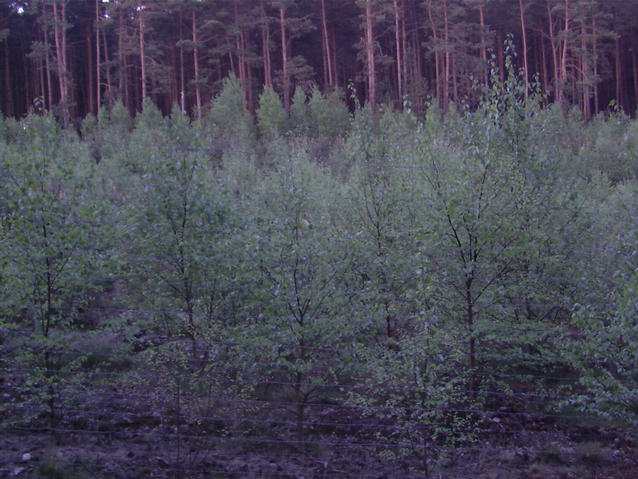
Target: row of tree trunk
409,47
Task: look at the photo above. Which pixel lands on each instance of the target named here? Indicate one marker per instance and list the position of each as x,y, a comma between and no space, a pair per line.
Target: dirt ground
565,453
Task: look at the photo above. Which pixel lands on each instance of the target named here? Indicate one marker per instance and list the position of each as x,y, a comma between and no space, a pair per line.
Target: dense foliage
416,270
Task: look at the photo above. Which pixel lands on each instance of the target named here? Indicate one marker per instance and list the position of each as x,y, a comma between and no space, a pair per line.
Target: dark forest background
74,56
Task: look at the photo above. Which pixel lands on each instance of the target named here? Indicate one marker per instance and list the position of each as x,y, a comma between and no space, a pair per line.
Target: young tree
489,209
601,344
178,227
51,247
271,116
300,329
230,121
379,182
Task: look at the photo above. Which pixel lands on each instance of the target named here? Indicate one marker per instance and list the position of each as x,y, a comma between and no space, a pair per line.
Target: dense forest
75,56
310,290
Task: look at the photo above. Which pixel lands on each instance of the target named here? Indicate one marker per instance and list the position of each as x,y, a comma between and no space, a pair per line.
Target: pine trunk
284,59
558,95
543,55
47,66
241,56
404,42
122,77
59,32
8,92
334,55
98,79
618,70
372,87
525,60
595,61
483,48
265,46
182,74
446,84
90,85
142,56
198,95
327,59
563,61
397,39
437,54
42,80
585,70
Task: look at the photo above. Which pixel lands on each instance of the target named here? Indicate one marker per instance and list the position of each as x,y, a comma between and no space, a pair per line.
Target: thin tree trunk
74,93
136,97
618,70
249,76
595,51
42,80
558,95
98,79
543,56
372,87
416,29
59,27
418,59
455,87
27,79
300,411
404,42
446,85
334,55
109,83
500,55
525,60
324,62
265,46
198,95
230,57
563,61
142,56
483,48
618,66
241,57
8,91
240,64
67,74
469,303
326,44
182,75
122,80
89,84
437,54
397,39
300,397
47,65
284,59
585,71
153,90
46,325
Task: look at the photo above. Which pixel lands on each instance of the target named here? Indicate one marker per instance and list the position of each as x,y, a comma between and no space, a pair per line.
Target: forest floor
115,425
545,452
